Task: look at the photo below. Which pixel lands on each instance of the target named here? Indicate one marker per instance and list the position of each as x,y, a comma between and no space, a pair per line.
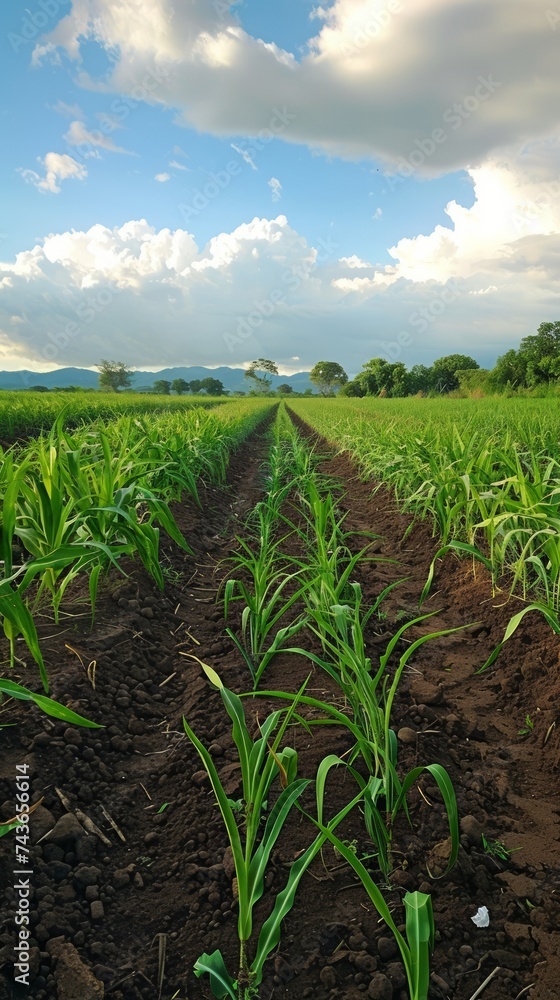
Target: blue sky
400,202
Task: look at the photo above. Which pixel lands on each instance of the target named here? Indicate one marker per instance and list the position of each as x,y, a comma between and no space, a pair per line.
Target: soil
127,914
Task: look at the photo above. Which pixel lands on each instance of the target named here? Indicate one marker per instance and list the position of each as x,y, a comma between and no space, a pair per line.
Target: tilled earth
126,914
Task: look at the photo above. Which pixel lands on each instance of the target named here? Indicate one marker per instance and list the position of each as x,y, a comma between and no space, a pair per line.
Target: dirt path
98,907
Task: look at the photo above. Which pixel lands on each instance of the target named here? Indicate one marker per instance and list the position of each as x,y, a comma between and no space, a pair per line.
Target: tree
262,383
180,386
328,376
162,387
444,371
113,375
539,354
212,386
419,379
509,372
352,388
378,377
195,386
284,389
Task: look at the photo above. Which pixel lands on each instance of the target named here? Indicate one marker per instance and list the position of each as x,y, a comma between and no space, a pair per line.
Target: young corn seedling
329,563
369,696
261,760
417,945
267,598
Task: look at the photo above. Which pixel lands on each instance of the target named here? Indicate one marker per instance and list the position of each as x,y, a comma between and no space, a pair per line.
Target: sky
206,182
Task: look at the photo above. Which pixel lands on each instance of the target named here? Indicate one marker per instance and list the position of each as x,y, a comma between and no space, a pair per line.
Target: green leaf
20,622
445,786
550,616
48,706
221,983
452,546
8,827
420,933
271,832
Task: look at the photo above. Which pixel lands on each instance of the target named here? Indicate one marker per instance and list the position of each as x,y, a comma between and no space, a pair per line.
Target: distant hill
231,378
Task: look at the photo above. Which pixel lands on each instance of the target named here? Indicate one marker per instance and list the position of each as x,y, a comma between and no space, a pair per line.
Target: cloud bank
385,80
154,298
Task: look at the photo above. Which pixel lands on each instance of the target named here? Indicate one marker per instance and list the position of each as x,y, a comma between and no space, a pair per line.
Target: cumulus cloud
155,298
58,167
354,261
276,188
162,178
458,80
515,197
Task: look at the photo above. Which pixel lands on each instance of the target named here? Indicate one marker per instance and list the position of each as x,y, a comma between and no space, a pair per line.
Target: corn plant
417,946
75,501
369,695
268,591
261,760
53,708
486,472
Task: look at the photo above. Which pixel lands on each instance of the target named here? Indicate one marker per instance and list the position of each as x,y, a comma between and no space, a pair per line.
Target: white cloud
79,135
68,110
515,196
276,188
175,165
375,80
354,261
162,178
245,155
154,298
58,167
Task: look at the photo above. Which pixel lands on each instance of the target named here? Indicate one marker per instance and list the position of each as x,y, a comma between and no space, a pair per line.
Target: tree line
536,363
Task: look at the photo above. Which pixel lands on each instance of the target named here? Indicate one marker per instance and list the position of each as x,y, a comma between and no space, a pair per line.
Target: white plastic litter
481,917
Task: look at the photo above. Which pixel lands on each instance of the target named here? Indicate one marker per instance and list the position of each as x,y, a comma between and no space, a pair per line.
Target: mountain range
232,378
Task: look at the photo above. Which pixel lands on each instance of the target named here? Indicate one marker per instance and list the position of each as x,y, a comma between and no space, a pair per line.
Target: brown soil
100,909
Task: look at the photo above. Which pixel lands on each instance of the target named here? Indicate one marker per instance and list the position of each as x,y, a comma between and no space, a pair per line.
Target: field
280,695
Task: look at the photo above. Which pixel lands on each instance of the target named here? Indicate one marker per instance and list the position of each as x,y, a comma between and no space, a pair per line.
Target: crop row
23,414
486,472
294,573
73,504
